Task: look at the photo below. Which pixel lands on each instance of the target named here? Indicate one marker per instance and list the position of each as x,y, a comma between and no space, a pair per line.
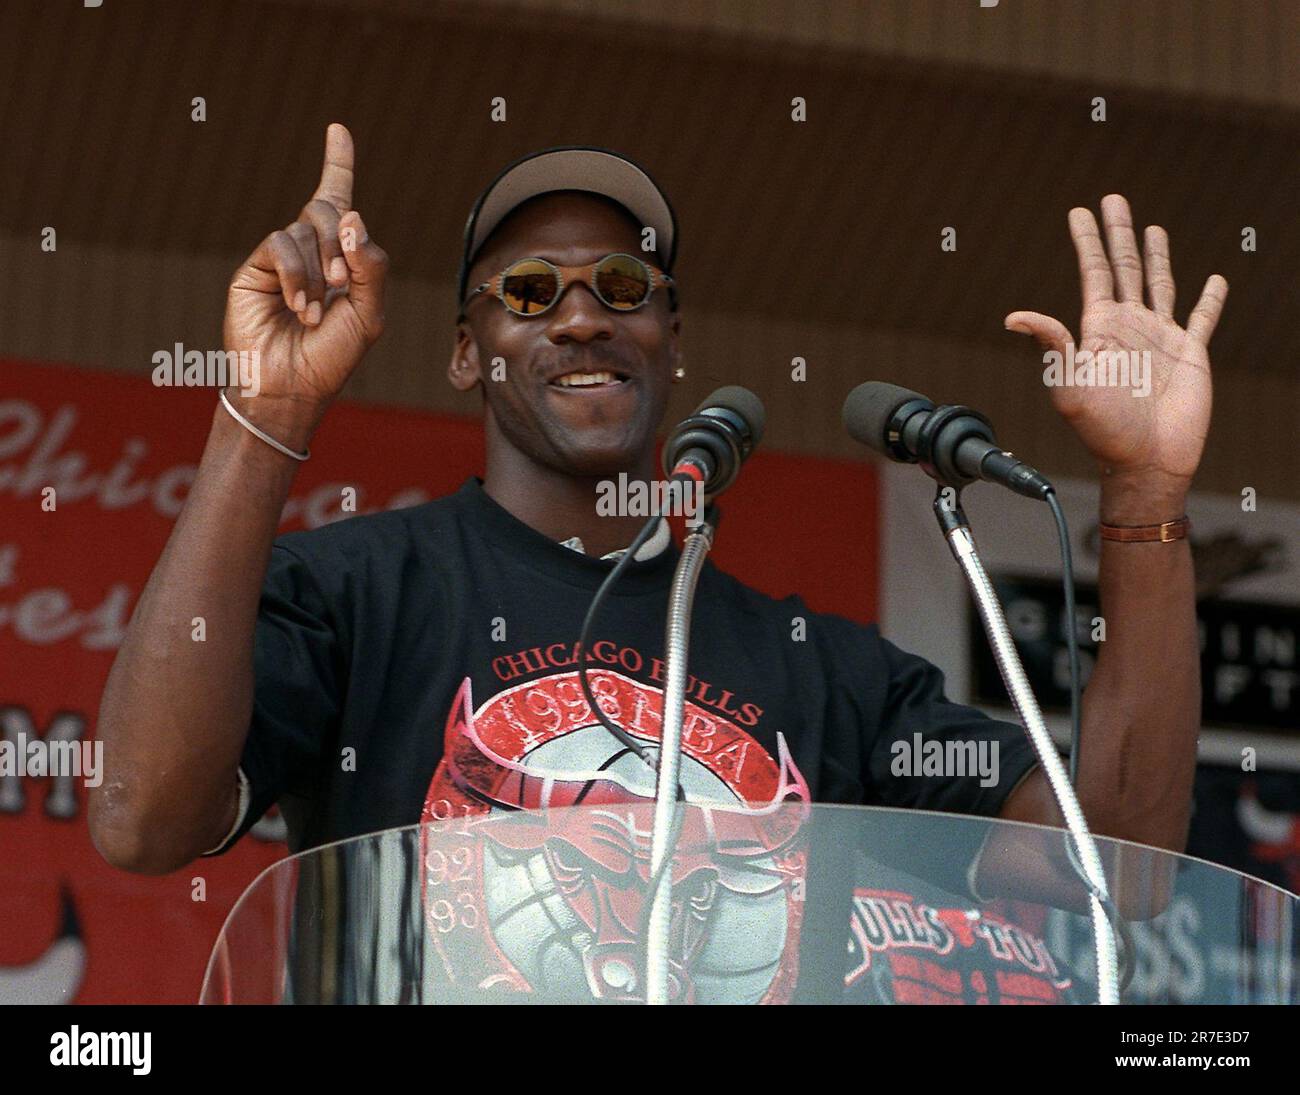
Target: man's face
578,431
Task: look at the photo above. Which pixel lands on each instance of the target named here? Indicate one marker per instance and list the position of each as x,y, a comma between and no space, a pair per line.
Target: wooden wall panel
1224,48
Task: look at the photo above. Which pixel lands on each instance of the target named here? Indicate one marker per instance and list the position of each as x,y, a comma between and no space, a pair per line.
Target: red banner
94,468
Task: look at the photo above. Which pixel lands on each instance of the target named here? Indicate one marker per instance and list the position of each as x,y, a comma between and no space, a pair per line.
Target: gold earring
679,374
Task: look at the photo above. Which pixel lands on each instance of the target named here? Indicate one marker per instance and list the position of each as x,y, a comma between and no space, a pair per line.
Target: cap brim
572,167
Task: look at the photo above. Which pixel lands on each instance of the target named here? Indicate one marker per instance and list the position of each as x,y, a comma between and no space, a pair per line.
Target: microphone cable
1071,635
588,625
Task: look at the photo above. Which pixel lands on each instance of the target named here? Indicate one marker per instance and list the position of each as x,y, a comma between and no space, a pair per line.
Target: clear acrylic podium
792,904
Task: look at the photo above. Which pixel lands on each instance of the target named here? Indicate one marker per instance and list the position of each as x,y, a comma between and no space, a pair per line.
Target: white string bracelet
259,433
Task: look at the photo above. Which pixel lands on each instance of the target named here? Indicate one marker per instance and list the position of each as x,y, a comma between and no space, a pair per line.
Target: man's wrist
1141,498
292,422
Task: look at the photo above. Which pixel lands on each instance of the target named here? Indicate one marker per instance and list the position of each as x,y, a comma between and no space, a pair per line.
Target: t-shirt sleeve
296,698
932,754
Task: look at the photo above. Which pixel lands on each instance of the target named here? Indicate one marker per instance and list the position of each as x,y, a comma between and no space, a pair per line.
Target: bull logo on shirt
555,903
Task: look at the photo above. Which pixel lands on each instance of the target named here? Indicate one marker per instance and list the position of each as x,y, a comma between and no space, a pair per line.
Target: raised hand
309,300
1156,438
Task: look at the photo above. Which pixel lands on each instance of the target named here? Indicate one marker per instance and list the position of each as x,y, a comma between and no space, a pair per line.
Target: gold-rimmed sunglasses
531,287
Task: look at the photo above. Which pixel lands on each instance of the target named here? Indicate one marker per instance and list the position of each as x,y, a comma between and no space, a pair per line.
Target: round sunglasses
531,287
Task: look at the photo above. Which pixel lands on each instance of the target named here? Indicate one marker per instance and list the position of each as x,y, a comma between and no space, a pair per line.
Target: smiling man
580,387
351,673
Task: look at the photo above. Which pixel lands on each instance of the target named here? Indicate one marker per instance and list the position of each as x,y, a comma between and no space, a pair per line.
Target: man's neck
560,506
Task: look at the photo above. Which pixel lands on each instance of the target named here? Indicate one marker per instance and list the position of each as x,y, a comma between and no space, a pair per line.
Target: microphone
954,445
716,438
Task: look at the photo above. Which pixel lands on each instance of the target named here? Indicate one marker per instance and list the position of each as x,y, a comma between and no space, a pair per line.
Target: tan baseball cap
571,167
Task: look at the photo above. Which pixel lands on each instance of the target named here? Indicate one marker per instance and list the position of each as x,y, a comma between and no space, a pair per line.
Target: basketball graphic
552,903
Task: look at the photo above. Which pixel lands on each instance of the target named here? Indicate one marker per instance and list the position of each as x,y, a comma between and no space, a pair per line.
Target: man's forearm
1142,708
175,710
1140,718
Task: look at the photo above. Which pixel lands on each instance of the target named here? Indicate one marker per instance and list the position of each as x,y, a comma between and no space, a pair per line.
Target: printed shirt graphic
419,664
559,909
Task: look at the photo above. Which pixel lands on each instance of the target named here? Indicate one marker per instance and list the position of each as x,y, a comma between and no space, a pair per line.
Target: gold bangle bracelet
1139,534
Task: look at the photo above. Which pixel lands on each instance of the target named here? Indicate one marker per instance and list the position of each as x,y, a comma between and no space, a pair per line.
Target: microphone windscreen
868,409
742,402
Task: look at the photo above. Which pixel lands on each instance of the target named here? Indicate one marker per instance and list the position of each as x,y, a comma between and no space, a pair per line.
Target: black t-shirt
420,663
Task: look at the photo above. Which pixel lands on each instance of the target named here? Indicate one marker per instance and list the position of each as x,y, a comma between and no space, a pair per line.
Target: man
348,671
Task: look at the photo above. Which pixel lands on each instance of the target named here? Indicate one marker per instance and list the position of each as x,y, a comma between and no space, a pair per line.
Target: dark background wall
818,240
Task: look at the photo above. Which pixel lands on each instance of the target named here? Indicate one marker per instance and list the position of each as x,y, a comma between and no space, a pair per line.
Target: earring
679,374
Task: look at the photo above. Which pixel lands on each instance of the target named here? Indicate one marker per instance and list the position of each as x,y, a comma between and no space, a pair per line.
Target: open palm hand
1151,418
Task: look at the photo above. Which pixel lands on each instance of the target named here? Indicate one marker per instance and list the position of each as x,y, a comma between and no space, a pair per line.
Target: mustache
604,358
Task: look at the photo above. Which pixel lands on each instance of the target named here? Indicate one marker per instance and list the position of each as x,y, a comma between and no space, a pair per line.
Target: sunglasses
531,287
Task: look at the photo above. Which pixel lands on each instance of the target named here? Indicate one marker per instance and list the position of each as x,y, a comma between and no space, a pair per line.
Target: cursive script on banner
35,454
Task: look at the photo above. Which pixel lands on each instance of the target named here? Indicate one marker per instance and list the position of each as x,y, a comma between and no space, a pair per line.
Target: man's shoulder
790,609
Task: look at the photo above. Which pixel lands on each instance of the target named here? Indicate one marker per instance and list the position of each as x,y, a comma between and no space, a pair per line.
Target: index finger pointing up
335,184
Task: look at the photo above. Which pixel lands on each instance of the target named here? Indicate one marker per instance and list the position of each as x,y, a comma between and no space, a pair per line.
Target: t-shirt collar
658,541
650,572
